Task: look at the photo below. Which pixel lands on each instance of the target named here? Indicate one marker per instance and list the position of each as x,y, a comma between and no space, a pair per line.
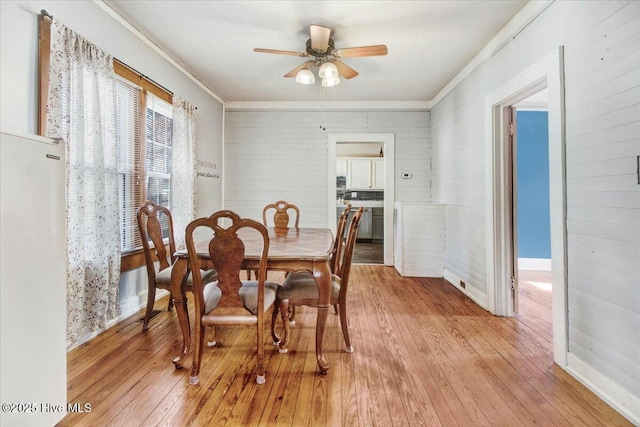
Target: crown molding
334,106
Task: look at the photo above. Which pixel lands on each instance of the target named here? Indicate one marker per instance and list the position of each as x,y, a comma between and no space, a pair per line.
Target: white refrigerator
33,364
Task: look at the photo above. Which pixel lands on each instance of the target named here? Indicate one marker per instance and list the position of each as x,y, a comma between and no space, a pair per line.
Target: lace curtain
81,111
183,168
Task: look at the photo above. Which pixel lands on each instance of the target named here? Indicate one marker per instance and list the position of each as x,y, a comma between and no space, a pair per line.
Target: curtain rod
147,78
143,76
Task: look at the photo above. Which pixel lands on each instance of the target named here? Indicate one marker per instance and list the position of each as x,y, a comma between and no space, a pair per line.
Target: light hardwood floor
424,355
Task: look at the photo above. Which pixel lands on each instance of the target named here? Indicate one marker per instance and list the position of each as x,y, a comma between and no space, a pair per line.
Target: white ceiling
429,43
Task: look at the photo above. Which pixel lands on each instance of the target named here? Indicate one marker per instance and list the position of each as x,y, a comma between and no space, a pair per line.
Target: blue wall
533,184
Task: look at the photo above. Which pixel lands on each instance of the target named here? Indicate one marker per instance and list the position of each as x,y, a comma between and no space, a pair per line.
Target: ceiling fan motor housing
318,54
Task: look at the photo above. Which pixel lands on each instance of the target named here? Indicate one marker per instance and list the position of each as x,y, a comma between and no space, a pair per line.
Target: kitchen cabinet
359,174
419,244
377,174
362,172
342,166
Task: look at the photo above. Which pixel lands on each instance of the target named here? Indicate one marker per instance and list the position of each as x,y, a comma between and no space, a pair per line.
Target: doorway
360,183
532,245
386,141
500,236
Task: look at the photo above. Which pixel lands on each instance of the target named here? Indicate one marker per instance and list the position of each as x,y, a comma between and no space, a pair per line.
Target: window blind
144,156
159,126
130,166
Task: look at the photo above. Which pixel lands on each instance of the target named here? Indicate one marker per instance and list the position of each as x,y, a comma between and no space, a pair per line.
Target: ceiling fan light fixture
328,69
305,77
320,48
330,81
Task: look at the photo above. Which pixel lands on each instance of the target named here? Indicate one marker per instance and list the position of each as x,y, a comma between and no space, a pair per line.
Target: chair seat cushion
164,276
248,294
302,285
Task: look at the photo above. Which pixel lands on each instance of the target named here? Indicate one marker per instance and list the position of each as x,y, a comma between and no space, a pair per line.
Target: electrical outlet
462,284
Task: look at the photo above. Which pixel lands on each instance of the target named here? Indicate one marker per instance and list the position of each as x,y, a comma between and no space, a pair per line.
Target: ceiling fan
326,58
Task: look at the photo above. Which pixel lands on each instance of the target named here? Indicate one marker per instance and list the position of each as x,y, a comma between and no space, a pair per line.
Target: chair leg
335,308
211,341
284,314
151,298
170,306
274,319
342,307
260,378
197,355
292,315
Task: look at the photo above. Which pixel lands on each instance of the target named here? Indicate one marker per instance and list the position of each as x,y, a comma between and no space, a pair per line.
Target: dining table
290,250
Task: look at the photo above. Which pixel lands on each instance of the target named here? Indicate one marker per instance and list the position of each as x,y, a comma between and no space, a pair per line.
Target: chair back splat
281,215
149,217
336,256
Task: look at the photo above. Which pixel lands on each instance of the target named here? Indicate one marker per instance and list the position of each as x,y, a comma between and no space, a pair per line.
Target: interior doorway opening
360,183
373,174
501,261
533,283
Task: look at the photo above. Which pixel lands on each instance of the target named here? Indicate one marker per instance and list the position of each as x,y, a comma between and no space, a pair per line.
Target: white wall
282,155
602,57
18,77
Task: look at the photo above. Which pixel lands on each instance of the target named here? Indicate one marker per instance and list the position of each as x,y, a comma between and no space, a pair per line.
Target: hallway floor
368,253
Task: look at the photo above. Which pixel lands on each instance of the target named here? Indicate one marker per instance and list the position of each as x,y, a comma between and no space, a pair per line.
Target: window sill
135,259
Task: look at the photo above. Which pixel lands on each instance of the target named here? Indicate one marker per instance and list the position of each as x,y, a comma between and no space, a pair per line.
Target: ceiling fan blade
281,52
319,37
344,70
302,66
351,52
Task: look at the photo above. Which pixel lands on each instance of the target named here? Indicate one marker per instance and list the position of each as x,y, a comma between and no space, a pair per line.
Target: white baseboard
620,399
469,290
537,264
128,307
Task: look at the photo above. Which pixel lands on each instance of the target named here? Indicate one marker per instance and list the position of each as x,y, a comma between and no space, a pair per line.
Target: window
144,156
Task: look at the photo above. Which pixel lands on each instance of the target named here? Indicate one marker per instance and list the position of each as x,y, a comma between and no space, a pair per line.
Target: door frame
549,73
511,199
388,140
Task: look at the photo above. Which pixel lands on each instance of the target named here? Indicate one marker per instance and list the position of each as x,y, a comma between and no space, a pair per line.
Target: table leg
322,274
178,275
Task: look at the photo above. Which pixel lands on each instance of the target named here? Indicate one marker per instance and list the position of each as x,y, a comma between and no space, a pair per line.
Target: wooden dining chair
155,226
336,256
281,217
301,289
229,301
